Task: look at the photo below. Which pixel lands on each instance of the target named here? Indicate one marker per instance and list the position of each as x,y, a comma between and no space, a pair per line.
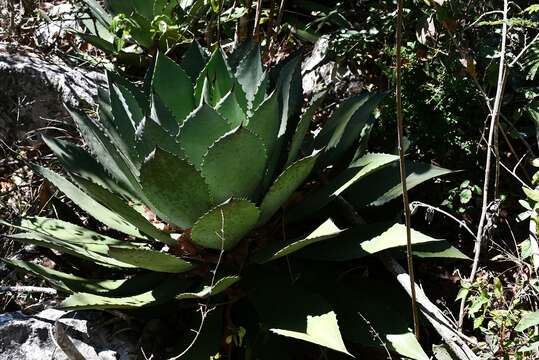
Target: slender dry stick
256,29
494,117
400,137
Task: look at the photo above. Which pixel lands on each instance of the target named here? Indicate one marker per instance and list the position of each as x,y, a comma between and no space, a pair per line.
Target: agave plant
190,172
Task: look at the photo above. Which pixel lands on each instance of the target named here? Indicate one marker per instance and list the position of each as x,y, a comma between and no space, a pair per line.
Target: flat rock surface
51,333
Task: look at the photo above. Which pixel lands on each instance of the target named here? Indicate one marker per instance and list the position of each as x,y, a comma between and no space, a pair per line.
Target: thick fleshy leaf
290,89
88,204
234,165
220,285
296,312
175,189
386,308
150,135
173,86
438,250
364,240
163,115
239,53
150,259
265,122
218,75
291,178
303,127
199,131
345,125
66,231
60,280
261,92
321,330
231,111
225,225
384,185
120,207
277,250
104,151
193,60
317,199
79,250
77,161
163,292
250,73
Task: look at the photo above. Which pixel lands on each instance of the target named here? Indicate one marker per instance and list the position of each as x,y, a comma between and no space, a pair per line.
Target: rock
321,72
94,335
34,89
61,20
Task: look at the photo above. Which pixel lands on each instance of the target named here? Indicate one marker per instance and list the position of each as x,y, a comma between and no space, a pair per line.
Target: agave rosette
213,148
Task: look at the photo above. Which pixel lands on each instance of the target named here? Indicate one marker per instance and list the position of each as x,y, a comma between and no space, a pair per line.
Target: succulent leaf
176,191
88,204
173,86
77,161
150,259
199,131
194,60
291,178
220,285
231,111
105,152
79,250
161,293
276,250
163,116
225,225
219,77
120,207
150,135
234,165
250,73
303,127
265,122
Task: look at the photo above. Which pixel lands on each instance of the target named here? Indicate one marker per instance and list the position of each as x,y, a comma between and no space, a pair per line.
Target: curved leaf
291,178
265,121
150,259
220,285
225,225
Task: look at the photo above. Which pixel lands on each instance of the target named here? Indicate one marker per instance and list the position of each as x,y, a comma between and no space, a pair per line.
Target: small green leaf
150,259
531,194
322,330
224,226
234,165
528,320
220,285
465,196
175,189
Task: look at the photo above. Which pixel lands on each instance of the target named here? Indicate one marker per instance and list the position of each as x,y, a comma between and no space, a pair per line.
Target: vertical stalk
492,136
400,137
256,29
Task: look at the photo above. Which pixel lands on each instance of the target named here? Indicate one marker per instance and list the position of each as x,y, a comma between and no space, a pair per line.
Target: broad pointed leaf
225,225
173,86
220,80
234,165
277,250
250,73
231,111
150,135
193,60
321,330
265,122
175,189
199,131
